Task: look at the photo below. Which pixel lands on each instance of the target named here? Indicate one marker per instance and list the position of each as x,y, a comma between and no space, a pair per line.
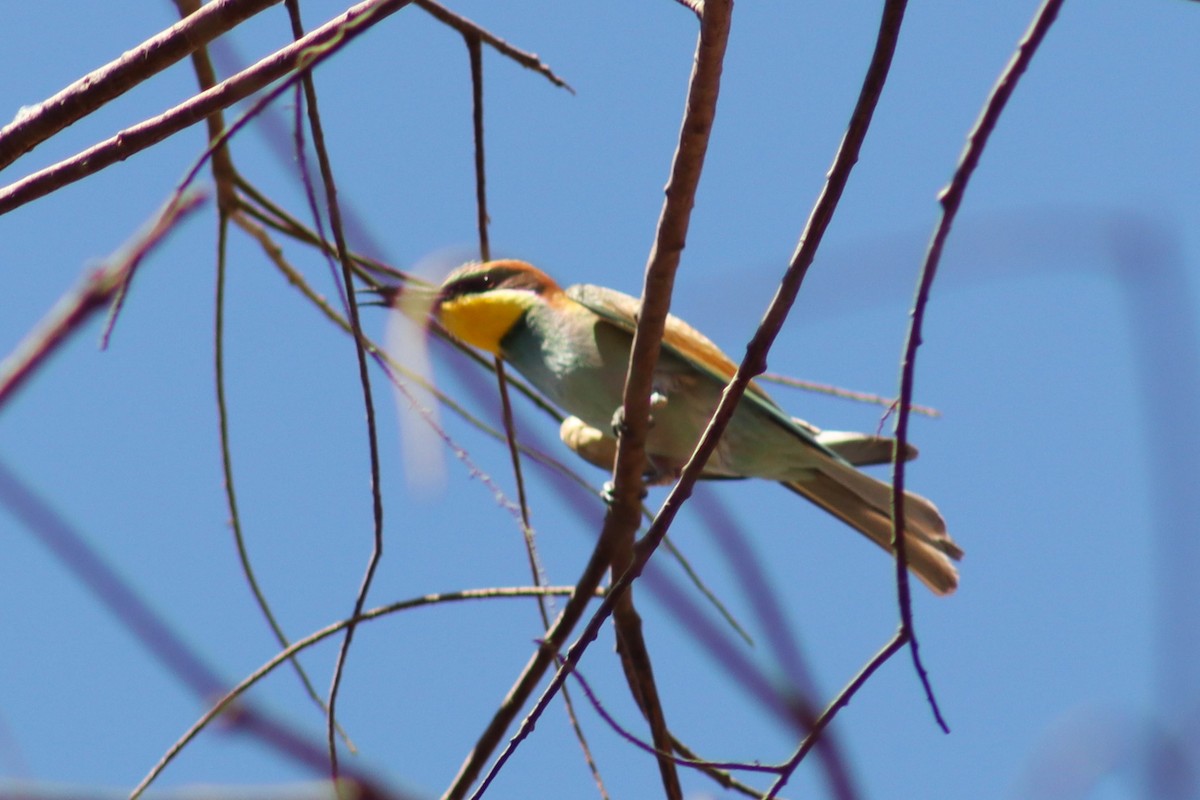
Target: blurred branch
151,630
94,292
951,199
36,124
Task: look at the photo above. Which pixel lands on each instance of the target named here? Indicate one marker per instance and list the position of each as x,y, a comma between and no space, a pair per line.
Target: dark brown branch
93,90
306,52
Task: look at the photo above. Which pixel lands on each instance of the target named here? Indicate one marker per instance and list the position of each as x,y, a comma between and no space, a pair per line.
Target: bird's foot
657,401
608,493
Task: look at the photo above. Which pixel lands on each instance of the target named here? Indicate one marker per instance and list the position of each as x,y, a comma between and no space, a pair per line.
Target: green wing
687,343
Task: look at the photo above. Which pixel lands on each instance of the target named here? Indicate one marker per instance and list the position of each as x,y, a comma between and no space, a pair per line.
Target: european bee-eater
573,345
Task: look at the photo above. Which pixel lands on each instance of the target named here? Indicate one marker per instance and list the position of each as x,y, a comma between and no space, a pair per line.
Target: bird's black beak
384,296
413,300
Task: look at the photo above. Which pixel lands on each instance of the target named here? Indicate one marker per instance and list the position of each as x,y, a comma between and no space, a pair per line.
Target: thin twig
225,177
364,376
951,199
847,394
473,40
290,653
470,30
719,776
629,736
839,702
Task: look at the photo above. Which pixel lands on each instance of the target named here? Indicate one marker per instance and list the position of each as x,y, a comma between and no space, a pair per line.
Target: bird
573,345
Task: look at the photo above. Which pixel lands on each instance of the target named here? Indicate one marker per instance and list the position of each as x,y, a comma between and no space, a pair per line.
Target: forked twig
470,30
473,39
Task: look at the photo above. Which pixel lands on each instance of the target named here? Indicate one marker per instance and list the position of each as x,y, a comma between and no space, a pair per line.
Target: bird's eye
478,283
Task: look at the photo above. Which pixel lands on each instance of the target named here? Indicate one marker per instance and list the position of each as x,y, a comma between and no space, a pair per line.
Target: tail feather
864,503
862,449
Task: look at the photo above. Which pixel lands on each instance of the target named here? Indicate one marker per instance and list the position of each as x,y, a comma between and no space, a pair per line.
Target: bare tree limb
306,53
34,125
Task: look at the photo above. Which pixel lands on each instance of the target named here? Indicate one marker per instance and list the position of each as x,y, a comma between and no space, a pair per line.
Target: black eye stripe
497,277
470,284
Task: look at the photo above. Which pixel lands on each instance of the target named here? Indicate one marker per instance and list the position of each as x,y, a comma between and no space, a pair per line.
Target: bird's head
480,303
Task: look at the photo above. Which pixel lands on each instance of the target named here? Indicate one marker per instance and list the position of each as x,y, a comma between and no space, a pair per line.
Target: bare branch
306,53
290,652
839,702
34,125
471,30
623,517
848,394
951,198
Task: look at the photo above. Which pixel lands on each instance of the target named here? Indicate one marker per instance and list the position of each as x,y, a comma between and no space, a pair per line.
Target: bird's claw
619,427
658,401
608,493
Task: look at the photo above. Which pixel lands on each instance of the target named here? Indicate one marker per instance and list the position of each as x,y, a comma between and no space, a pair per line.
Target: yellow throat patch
482,320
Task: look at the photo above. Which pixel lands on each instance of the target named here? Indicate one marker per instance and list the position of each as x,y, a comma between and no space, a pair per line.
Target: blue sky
1060,347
